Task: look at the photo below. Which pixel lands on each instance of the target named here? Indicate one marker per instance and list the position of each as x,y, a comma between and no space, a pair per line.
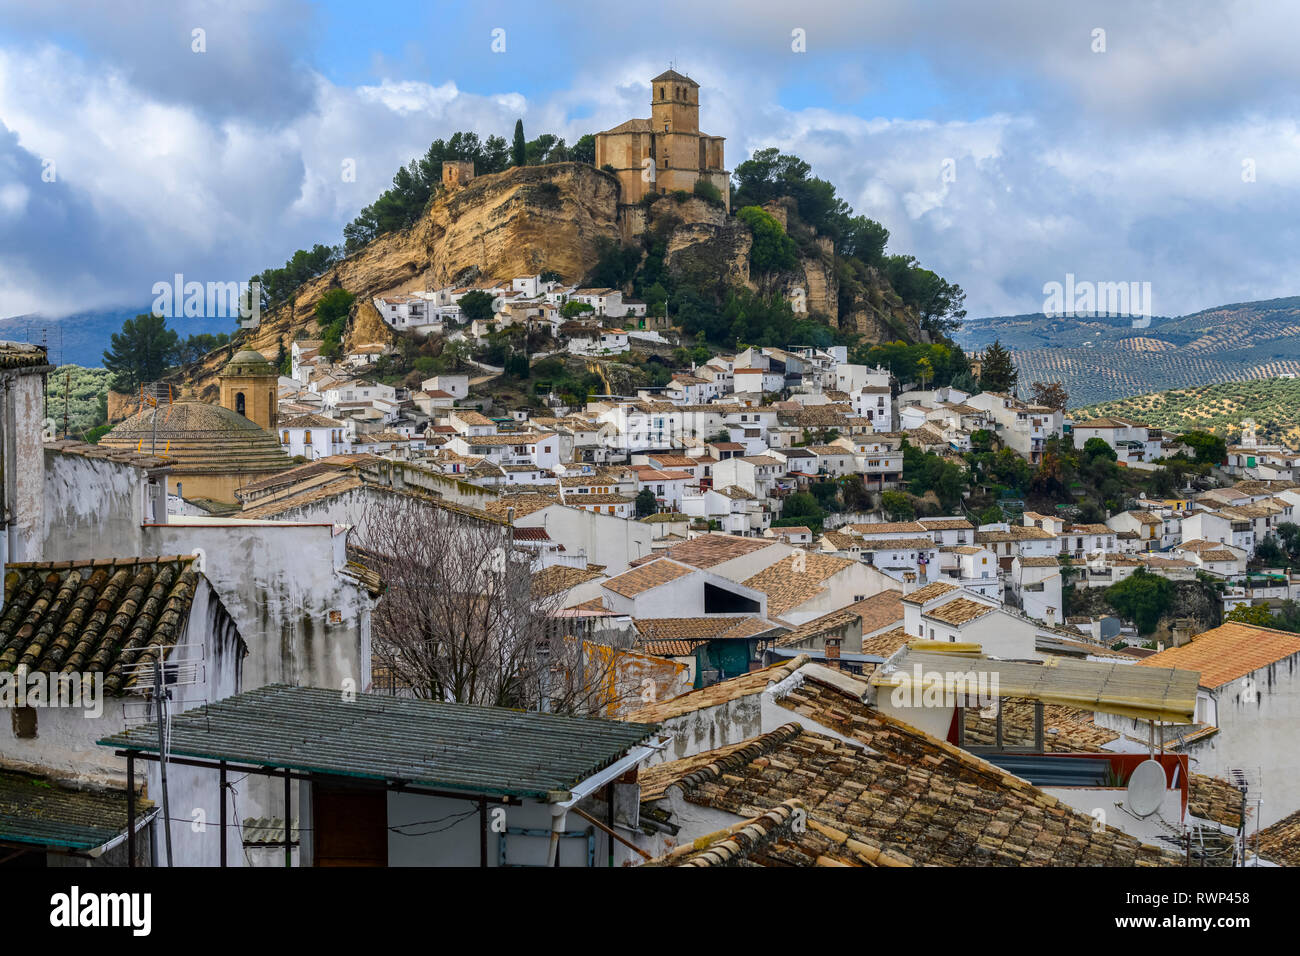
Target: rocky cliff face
519,222
704,244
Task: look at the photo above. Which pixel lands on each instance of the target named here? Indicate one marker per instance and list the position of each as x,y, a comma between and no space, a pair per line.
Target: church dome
249,362
201,439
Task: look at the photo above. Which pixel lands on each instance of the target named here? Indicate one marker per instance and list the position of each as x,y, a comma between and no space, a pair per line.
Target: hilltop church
679,154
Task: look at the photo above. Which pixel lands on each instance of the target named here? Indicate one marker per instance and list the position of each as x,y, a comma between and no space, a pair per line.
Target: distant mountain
1103,358
81,339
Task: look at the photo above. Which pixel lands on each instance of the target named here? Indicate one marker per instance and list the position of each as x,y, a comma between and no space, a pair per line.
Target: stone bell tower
250,386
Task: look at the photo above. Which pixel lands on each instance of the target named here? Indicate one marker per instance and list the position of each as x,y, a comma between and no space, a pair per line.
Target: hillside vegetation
86,394
1273,403
1103,358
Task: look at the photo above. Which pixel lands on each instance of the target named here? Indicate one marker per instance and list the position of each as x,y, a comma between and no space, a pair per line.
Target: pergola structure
457,751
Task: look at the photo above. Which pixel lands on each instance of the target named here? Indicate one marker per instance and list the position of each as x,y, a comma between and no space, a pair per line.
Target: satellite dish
1146,788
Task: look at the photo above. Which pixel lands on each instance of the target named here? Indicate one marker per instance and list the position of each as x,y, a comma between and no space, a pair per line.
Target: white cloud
1123,165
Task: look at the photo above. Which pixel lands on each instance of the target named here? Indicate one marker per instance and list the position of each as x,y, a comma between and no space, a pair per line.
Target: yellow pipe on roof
944,647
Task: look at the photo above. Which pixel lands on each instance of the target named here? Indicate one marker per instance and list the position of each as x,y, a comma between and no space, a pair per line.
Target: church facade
666,152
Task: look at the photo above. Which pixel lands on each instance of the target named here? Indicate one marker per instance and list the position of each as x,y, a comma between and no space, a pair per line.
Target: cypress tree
519,151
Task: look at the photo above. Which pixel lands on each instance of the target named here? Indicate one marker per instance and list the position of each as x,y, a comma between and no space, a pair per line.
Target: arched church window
239,402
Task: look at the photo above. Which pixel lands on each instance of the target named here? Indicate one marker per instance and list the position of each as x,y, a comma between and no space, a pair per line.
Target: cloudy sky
1165,149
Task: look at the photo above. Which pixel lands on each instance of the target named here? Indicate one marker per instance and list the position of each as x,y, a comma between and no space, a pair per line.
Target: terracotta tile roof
1228,652
128,456
1041,562
934,589
328,487
1213,798
962,611
309,421
571,498
898,544
669,648
674,461
889,527
733,846
817,627
1280,842
647,576
698,628
95,616
558,578
709,550
945,524
736,493
895,796
746,685
842,542
884,645
524,505
467,417
1218,554
879,610
786,588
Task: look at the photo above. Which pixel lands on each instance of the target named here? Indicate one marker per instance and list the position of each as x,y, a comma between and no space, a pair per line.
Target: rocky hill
554,217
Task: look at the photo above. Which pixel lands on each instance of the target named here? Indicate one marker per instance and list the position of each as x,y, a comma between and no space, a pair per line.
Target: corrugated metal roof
42,812
1147,693
490,750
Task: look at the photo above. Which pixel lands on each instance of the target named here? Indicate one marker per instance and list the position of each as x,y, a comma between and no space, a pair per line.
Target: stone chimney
909,582
832,652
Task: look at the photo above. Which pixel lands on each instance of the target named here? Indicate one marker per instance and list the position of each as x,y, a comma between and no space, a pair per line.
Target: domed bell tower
250,387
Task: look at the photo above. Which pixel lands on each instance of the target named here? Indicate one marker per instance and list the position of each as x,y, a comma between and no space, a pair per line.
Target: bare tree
460,619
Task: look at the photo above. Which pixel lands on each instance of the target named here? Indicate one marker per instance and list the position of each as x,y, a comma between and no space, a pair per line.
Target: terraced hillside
1273,403
1102,358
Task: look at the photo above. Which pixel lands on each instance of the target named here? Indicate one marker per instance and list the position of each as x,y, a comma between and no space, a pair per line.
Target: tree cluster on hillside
413,184
279,285
939,363
858,242
332,311
1142,597
146,348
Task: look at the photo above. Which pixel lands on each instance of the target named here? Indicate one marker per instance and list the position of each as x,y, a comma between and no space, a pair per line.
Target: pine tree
141,352
520,150
998,373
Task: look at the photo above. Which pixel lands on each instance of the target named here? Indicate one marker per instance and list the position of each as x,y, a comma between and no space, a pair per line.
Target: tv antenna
185,671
